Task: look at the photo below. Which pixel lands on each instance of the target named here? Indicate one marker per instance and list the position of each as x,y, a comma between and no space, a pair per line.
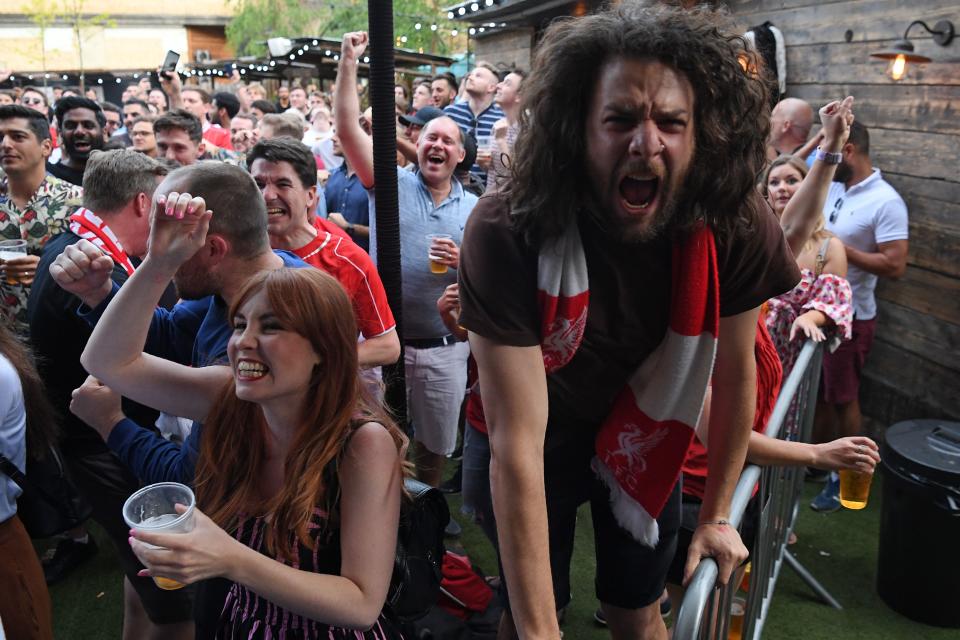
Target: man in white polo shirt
870,218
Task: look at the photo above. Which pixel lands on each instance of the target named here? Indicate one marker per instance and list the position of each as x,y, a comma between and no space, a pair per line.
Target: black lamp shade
900,48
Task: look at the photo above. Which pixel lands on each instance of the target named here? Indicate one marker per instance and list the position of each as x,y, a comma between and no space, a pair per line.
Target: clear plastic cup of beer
152,509
854,488
11,250
435,265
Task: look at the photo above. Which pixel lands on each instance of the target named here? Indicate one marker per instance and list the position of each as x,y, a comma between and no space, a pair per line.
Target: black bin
918,567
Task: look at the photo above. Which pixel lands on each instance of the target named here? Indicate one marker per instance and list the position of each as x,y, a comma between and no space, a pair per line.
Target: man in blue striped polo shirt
477,114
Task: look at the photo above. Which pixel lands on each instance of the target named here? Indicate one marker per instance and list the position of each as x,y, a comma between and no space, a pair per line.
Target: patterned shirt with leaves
44,216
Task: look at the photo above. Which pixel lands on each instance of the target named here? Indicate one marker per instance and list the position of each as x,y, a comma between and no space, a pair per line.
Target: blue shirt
194,332
419,217
347,196
479,125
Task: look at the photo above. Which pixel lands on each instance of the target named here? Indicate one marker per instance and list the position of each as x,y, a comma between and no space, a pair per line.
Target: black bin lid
926,448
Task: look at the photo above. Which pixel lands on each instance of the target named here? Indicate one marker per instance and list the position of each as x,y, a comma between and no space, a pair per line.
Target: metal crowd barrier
705,610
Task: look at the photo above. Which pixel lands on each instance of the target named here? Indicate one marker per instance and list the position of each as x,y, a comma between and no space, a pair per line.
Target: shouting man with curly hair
620,271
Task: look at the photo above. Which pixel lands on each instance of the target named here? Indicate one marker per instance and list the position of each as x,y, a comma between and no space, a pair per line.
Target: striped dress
247,616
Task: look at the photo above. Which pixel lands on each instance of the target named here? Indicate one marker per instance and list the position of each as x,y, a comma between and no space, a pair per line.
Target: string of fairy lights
462,11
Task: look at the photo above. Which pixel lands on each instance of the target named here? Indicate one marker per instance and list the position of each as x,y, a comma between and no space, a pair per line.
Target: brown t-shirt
629,307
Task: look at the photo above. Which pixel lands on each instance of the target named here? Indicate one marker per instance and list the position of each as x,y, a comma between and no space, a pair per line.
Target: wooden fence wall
914,368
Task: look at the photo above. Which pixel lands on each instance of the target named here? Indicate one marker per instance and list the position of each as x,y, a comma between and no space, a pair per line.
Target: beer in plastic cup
854,488
738,607
152,509
11,250
484,147
435,266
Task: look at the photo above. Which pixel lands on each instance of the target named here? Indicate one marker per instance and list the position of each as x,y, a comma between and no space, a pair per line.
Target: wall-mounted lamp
901,52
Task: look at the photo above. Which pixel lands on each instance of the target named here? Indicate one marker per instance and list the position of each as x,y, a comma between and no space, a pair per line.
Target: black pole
380,14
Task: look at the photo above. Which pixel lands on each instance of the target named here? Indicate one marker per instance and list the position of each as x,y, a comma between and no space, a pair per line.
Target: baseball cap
421,117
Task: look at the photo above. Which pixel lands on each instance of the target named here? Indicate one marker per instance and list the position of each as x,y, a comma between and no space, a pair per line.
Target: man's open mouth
275,211
435,159
639,192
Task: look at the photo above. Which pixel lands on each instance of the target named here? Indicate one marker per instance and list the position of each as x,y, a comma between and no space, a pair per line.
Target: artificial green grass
88,604
840,549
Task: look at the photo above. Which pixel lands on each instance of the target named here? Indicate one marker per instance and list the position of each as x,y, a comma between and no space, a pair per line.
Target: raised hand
353,45
178,229
836,118
83,270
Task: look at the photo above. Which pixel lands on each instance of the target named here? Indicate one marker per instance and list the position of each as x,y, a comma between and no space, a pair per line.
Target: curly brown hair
731,114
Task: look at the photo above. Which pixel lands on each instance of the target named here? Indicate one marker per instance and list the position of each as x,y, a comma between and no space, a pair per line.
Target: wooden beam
925,292
933,109
869,20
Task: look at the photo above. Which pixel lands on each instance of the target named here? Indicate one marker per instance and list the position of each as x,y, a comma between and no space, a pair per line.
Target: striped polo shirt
478,125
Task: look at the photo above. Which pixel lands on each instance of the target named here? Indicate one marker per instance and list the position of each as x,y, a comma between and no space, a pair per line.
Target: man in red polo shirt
286,171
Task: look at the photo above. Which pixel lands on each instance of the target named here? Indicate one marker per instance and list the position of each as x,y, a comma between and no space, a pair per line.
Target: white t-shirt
13,435
863,216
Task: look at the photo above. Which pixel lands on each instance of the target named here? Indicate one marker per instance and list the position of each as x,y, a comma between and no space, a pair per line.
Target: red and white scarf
641,445
91,227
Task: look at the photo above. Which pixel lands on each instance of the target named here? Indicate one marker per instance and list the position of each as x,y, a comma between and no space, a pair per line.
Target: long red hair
234,442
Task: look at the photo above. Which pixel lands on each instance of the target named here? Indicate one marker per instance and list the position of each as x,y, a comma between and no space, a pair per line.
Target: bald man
790,124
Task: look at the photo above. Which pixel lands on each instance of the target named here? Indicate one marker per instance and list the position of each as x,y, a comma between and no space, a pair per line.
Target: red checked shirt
343,259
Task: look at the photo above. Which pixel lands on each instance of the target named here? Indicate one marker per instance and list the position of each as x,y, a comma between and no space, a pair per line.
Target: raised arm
357,145
806,206
514,388
114,353
370,509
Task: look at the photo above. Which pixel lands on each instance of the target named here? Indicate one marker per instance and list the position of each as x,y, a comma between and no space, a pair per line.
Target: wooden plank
920,334
933,109
945,215
926,382
884,405
757,6
870,20
925,292
812,62
924,155
937,191
934,248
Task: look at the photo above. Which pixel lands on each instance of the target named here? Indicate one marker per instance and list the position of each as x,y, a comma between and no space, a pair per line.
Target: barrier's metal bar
812,582
780,490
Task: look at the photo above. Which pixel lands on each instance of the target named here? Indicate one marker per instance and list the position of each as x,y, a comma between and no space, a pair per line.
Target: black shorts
106,484
688,524
629,575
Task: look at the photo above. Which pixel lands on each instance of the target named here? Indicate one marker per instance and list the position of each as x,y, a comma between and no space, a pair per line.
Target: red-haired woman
296,464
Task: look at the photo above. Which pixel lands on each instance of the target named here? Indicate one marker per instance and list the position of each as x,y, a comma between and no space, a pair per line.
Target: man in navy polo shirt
347,203
478,113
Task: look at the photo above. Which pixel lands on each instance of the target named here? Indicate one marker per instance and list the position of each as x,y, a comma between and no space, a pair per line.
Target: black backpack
415,585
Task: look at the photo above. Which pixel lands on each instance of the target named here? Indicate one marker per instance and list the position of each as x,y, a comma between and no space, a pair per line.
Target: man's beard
96,142
194,284
627,231
844,173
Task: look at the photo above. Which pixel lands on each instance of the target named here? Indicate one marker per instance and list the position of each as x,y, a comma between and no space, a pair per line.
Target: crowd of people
590,309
